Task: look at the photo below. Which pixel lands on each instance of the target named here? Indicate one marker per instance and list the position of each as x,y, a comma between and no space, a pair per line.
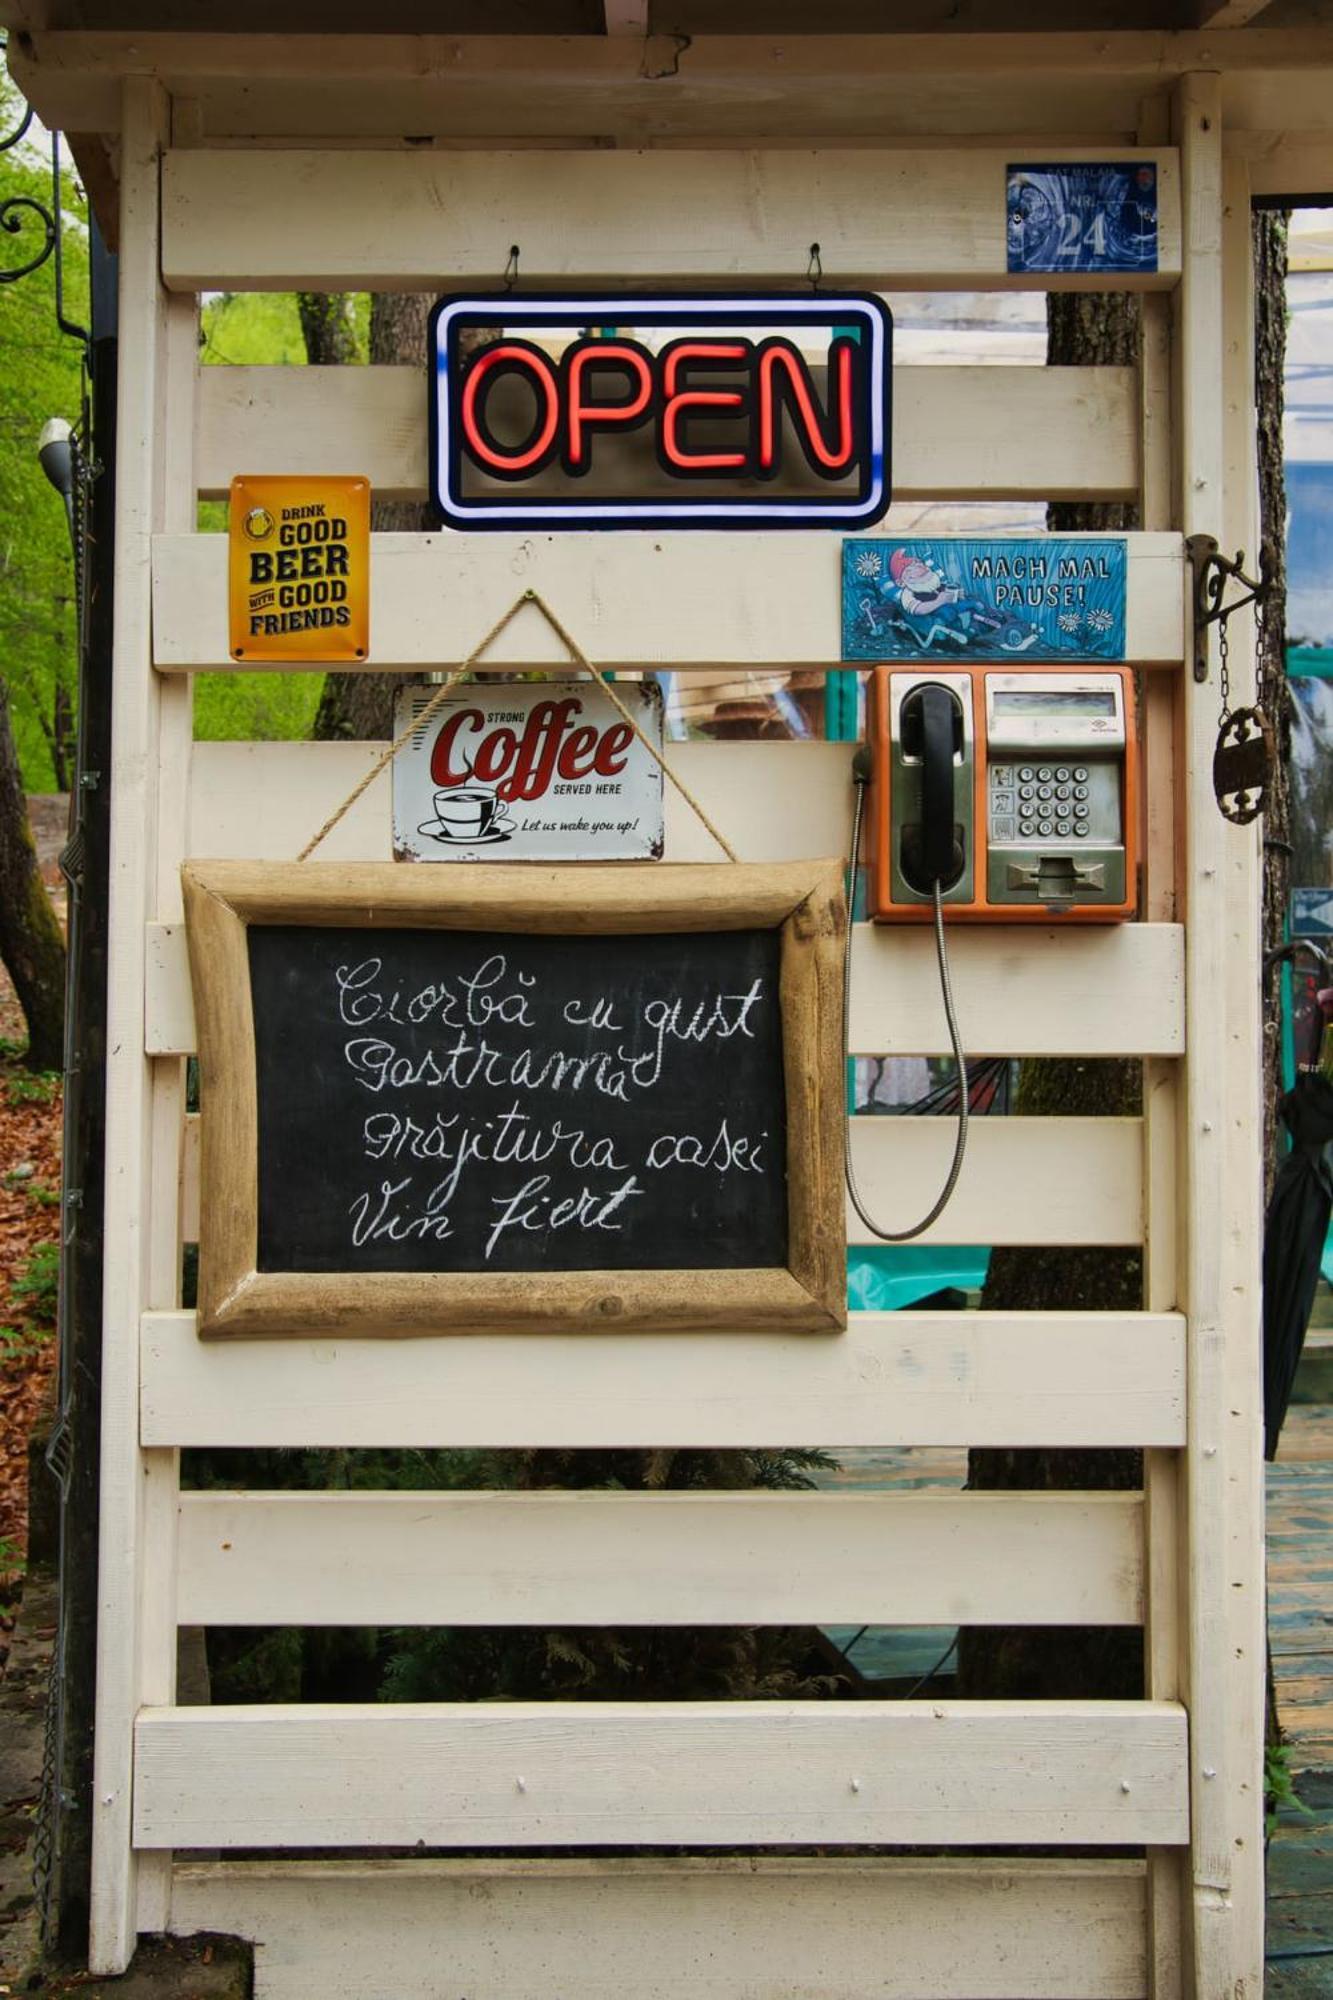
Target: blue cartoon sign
1099,217
1045,599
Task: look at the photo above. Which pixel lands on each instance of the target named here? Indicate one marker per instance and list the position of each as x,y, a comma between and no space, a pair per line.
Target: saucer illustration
450,836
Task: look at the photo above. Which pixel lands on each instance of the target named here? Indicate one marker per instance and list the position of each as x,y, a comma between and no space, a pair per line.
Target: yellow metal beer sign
299,571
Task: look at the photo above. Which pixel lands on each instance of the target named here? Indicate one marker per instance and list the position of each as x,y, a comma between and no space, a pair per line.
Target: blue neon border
663,309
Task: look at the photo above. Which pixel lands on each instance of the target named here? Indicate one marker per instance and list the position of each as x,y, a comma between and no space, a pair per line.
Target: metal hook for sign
511,268
1212,570
814,270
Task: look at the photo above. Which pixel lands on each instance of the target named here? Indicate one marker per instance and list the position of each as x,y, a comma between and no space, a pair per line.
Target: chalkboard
521,1099
470,1101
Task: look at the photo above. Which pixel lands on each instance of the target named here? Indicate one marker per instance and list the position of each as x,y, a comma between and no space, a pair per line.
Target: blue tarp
891,1279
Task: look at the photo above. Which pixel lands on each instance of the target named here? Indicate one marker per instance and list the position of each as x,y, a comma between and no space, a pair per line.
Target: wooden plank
1110,991
1228,13
677,601
1048,1180
891,1379
723,89
1115,989
131,1518
598,1558
1211,1941
1235,1421
776,801
189,1179
384,221
168,999
469,87
556,1774
626,17
1288,162
657,1929
1024,1180
1221,1511
1020,434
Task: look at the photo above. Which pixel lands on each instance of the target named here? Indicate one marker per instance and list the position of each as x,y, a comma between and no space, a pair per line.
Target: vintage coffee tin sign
299,569
529,771
1038,598
639,410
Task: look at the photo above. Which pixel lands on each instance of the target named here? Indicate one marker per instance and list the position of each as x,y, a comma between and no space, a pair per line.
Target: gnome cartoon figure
938,613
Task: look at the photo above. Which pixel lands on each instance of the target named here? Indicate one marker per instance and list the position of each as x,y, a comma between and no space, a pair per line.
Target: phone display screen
1054,701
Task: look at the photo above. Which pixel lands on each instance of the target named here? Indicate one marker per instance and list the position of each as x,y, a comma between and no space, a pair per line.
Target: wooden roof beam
1228,13
626,17
805,90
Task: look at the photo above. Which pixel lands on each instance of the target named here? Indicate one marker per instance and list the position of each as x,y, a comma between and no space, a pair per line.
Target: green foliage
255,708
40,377
31,1086
255,329
1279,1787
12,1566
37,1287
18,1342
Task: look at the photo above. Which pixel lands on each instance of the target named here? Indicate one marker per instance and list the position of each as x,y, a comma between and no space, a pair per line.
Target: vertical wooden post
129,1499
175,732
1161,1115
1221,978
1241,1248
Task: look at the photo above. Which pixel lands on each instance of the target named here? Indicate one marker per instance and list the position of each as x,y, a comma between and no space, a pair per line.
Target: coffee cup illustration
466,814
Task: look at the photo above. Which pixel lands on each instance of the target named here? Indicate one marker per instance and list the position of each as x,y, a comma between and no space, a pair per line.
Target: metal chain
1260,612
1223,675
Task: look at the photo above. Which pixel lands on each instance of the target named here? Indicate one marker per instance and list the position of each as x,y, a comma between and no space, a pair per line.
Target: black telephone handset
933,857
932,730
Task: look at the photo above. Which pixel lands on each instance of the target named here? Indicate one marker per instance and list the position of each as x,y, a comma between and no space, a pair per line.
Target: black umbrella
1294,1233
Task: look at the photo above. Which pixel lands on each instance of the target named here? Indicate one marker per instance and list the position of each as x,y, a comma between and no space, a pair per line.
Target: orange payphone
1017,789
997,794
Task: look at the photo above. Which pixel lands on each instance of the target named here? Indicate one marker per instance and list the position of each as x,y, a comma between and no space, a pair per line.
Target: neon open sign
642,411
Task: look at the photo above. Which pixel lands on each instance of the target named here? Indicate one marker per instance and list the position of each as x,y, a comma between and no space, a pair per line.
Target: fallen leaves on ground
30,1108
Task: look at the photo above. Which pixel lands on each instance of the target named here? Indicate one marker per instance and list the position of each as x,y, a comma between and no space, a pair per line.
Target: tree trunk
360,706
1084,329
326,327
31,946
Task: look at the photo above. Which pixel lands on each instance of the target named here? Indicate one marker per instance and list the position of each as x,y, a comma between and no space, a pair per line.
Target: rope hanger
468,668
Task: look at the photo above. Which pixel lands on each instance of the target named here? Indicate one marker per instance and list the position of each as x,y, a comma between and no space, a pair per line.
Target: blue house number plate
1090,217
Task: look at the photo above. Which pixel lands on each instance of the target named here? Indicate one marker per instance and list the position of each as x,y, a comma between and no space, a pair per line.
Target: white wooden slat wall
952,436
903,1378
136,1626
569,1774
434,597
1048,1773
934,217
1061,1180
899,1929
1058,992
656,1558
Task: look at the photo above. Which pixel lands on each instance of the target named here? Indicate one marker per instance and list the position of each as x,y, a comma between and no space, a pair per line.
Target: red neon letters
763,390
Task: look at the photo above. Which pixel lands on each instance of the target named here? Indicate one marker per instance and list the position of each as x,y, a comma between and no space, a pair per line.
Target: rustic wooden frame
804,901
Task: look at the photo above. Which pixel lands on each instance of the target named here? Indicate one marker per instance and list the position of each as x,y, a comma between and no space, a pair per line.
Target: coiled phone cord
861,776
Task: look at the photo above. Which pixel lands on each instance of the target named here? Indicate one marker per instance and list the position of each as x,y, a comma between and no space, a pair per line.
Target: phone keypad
1039,801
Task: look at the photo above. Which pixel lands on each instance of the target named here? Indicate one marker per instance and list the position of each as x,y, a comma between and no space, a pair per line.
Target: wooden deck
1300,1583
1300,1625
